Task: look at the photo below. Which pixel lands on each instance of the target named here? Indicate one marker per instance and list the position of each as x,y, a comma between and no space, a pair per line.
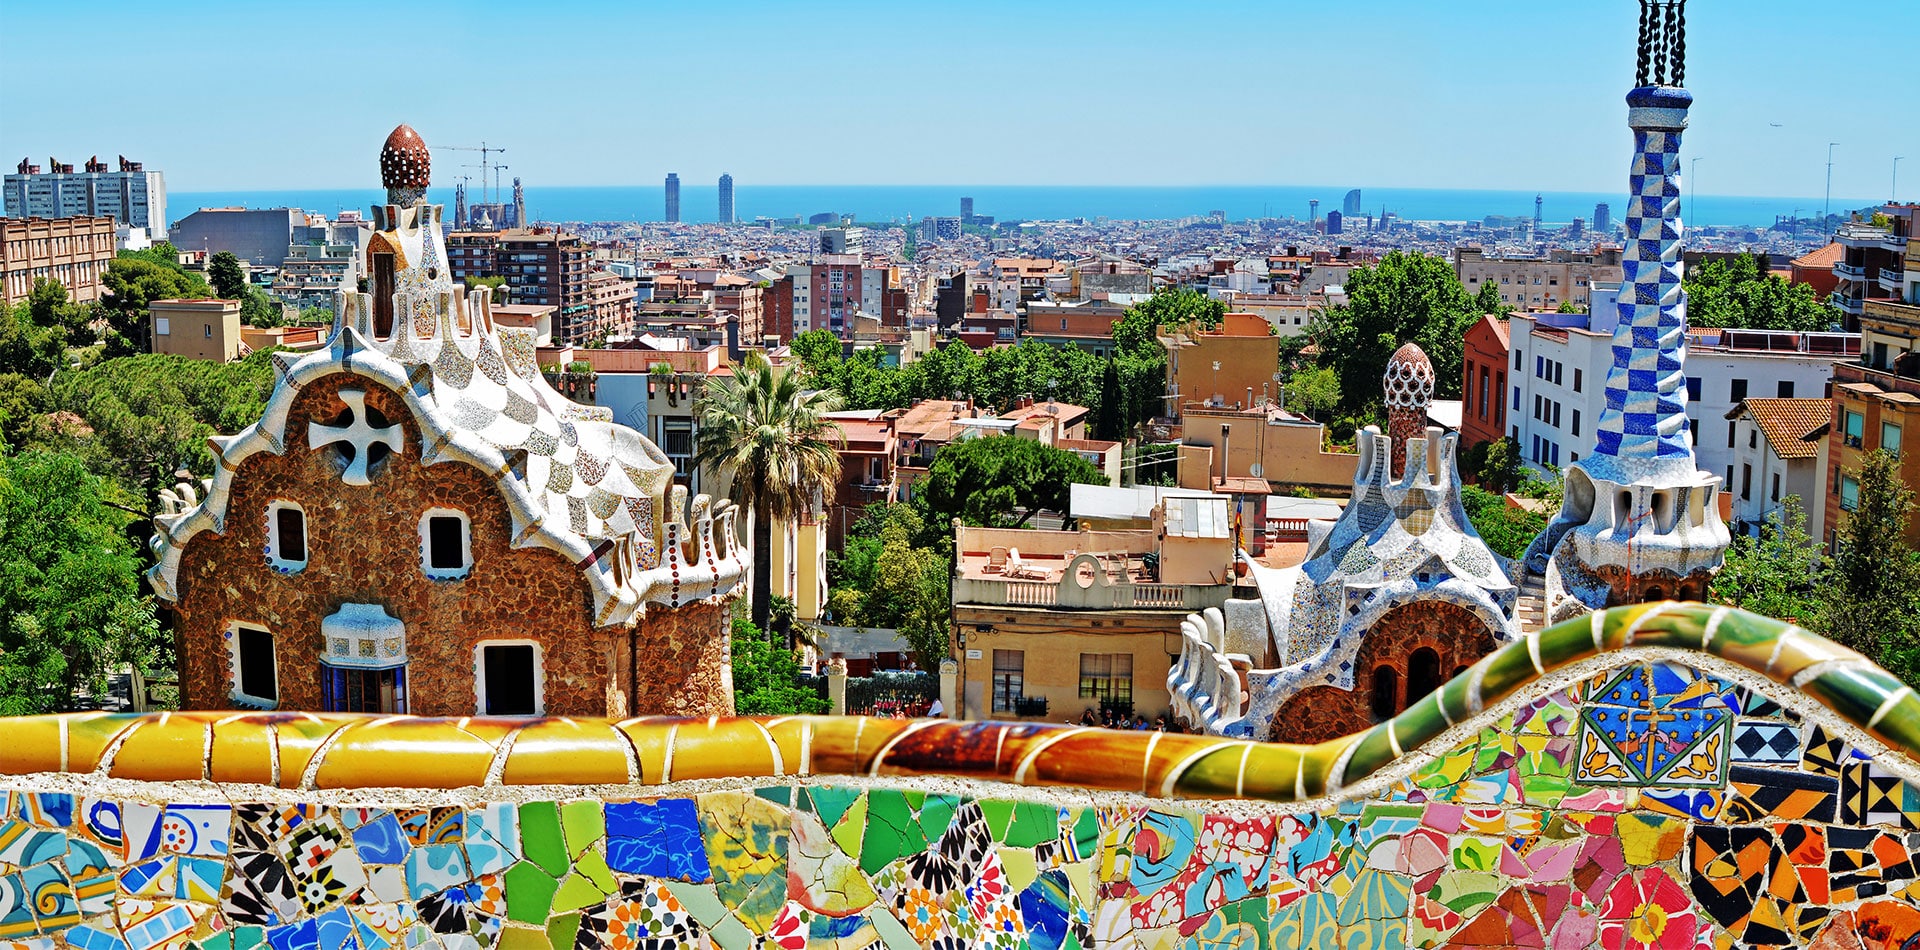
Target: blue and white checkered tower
1640,521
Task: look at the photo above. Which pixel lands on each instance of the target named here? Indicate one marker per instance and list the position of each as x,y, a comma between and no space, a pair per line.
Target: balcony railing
1846,271
1855,234
1895,243
1893,279
1120,596
1852,305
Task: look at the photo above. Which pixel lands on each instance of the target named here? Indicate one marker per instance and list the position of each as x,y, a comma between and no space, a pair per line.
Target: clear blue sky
1410,93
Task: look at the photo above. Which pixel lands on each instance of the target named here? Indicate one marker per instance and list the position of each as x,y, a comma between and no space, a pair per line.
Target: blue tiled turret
1639,520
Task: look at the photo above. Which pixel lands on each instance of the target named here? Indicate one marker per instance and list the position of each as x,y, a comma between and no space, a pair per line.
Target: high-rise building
1578,227
519,206
673,197
1350,205
1603,218
131,196
726,199
966,210
1640,520
1313,210
1539,202
1334,222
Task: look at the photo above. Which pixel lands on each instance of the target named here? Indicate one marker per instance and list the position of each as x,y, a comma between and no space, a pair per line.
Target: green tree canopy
134,280
228,279
766,677
985,480
1868,598
1742,295
1506,529
70,603
1406,297
1776,574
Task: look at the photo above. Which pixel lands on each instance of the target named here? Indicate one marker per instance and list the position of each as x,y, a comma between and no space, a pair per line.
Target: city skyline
1386,91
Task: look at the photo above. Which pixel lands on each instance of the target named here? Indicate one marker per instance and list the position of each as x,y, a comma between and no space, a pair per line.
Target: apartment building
1778,453
1539,283
541,266
825,293
197,329
1483,406
1085,324
74,251
1557,369
1231,365
129,194
1872,260
1050,624
1877,398
866,469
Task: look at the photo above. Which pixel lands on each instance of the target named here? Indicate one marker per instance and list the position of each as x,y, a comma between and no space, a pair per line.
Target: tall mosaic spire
1646,410
1639,520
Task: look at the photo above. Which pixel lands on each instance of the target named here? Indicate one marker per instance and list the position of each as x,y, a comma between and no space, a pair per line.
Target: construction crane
484,149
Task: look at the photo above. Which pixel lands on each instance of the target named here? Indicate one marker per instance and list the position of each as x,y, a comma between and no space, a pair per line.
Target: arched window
1385,687
1656,592
1423,674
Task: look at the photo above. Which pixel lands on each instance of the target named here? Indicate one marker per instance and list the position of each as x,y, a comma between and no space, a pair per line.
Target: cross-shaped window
357,433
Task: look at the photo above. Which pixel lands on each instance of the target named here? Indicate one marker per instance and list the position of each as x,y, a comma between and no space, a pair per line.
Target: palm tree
769,440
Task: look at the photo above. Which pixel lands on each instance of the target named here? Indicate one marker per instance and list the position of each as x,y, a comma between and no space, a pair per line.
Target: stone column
837,684
950,688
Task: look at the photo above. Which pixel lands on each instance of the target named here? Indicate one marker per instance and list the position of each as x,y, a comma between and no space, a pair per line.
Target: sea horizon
896,203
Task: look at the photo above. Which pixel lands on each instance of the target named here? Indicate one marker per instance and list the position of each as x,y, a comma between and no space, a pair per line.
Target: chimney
733,338
1226,432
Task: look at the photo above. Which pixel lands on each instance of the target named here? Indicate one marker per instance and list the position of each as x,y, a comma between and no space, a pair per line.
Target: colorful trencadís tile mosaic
1522,835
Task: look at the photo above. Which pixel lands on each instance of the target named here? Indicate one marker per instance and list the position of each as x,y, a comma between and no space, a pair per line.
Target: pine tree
1869,597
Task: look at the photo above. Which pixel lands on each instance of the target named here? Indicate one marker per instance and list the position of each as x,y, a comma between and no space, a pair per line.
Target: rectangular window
508,674
345,689
1737,390
1516,399
1693,429
446,541
1107,677
256,676
1517,357
1576,422
1559,372
1890,437
1849,493
290,535
1556,453
1539,367
1693,388
1852,427
1785,389
1731,427
1536,405
1556,415
1776,486
1009,668
1576,379
1746,481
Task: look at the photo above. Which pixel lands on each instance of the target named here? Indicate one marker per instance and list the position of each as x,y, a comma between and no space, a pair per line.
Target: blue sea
1031,202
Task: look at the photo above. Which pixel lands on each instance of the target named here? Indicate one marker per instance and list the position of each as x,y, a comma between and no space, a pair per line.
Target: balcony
1892,279
1122,595
1846,271
1853,305
1857,235
1894,242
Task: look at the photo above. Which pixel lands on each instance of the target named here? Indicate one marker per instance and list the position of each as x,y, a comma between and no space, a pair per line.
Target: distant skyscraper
519,205
1539,201
1334,219
726,199
1350,205
130,195
966,210
1313,210
673,197
1578,226
1603,219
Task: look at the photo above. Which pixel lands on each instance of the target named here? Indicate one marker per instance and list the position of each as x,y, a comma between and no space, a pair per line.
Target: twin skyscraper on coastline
726,212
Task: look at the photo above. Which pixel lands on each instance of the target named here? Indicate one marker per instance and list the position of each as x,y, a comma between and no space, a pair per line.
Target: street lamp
1692,189
1827,208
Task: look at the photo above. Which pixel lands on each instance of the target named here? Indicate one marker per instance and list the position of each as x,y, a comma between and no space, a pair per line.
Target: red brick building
1483,410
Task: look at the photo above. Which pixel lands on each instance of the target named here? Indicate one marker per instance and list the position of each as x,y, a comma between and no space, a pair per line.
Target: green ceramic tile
219,941
593,865
562,929
1900,727
1567,642
585,824
1373,752
891,830
731,934
541,839
852,828
1855,692
1507,670
999,814
915,798
892,932
830,802
249,938
935,814
1033,823
1317,765
578,891
1086,832
518,938
1420,723
529,893
700,900
1678,627
779,794
1216,773
1457,697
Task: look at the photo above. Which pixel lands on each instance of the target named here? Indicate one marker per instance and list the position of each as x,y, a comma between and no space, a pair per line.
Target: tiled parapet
1527,803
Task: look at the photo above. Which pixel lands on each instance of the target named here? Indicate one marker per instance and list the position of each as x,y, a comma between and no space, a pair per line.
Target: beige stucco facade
197,329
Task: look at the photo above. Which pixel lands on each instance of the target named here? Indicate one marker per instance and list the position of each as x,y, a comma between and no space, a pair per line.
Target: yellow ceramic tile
88,735
300,737
846,745
649,735
170,747
723,748
413,753
794,736
32,745
242,751
1798,650
567,752
1650,839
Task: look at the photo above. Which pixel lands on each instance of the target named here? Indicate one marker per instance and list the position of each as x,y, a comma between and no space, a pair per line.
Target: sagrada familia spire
1640,520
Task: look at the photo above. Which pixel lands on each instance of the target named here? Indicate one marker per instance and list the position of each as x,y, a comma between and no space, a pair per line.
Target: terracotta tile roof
1792,426
1820,259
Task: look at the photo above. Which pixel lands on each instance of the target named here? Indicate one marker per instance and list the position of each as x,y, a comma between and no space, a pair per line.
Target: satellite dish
1256,470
